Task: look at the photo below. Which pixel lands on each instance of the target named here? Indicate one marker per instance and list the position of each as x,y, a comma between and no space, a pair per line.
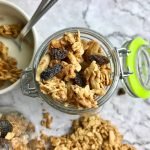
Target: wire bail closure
122,53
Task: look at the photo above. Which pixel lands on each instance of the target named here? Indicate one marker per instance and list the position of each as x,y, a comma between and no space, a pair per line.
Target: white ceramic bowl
12,14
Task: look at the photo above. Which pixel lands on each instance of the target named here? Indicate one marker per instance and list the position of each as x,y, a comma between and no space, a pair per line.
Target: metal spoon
44,6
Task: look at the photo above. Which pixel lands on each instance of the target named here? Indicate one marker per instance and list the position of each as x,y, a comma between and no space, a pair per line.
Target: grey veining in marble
119,20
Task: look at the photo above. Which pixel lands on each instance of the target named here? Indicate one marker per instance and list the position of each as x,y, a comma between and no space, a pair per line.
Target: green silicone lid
139,63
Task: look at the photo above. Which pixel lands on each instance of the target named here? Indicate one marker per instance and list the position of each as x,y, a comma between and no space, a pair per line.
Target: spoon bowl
44,6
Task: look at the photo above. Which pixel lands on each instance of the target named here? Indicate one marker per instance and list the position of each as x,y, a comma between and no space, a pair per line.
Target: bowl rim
22,12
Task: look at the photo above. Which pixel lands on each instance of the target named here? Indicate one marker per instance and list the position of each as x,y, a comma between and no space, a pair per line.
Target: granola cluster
10,31
74,71
19,137
8,66
91,133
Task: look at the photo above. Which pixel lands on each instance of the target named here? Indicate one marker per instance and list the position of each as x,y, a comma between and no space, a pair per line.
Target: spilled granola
91,133
74,71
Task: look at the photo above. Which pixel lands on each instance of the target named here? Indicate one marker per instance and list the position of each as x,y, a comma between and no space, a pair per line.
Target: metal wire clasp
27,83
124,69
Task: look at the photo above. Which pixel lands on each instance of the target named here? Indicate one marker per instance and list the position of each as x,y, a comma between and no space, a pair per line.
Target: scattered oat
30,127
46,120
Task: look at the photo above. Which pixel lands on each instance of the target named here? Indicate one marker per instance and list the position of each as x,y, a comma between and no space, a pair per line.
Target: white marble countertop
118,20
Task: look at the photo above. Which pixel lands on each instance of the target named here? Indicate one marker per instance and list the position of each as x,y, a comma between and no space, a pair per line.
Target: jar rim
59,106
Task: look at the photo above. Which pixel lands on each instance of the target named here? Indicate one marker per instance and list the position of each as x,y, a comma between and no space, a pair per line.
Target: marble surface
119,20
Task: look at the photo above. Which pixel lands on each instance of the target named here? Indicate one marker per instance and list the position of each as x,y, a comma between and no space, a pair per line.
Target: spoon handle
44,6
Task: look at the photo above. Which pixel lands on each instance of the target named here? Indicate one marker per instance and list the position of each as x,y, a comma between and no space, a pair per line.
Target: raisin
121,91
100,59
79,79
51,72
5,127
58,54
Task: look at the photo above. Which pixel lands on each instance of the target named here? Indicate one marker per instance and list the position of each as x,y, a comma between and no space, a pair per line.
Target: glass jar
133,55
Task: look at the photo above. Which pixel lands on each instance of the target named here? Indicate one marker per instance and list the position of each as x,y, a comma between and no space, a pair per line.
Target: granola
55,88
91,133
19,137
83,71
84,97
10,31
8,67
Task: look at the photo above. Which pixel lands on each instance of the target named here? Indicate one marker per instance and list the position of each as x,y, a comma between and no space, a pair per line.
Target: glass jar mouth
110,52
